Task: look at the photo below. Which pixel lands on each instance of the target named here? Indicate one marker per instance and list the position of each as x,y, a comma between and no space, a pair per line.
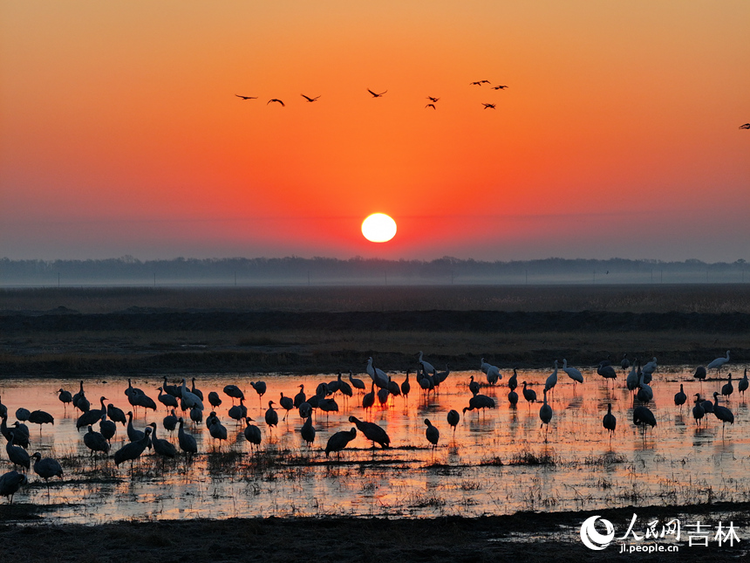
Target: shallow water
498,462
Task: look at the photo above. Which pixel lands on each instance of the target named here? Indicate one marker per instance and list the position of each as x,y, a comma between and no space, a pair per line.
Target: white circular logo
593,539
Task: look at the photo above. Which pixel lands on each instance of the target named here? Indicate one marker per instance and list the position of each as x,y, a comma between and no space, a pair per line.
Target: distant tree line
296,270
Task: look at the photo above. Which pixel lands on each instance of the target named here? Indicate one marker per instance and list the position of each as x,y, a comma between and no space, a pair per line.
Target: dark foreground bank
533,537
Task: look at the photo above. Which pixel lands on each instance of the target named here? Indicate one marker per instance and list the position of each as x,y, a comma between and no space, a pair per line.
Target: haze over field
617,135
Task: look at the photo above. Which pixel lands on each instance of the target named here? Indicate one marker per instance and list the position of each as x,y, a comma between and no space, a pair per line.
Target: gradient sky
618,136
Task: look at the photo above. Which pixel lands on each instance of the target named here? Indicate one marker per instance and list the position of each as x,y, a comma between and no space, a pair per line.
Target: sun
379,227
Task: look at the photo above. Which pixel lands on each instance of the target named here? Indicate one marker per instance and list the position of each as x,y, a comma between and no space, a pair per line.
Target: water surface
497,462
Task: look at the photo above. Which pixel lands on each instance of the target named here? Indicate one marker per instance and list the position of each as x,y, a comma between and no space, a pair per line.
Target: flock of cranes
432,100
100,424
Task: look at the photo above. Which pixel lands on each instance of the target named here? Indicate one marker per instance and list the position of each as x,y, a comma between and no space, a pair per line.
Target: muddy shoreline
535,536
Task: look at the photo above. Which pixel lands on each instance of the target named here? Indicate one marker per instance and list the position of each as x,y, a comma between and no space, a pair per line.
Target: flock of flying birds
190,401
432,99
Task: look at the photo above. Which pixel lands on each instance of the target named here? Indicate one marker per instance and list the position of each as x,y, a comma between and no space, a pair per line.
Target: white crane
718,362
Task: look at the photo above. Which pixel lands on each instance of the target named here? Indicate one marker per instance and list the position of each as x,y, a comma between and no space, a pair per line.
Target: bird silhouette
453,419
95,441
376,95
340,440
309,99
479,82
247,97
745,126
500,87
47,467
430,106
133,450
186,441
275,100
372,432
433,100
252,433
10,483
680,397
308,432
609,421
718,362
432,433
488,106
164,448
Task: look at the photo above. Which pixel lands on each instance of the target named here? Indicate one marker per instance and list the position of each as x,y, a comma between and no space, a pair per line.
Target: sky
617,136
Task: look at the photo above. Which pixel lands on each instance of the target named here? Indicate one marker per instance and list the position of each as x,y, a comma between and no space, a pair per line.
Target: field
86,333
75,332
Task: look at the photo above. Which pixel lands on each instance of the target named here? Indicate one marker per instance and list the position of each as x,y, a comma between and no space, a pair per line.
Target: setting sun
379,227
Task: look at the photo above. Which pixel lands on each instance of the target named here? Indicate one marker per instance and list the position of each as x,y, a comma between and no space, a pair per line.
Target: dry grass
657,298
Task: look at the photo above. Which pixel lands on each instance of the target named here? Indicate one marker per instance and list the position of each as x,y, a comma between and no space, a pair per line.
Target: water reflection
497,460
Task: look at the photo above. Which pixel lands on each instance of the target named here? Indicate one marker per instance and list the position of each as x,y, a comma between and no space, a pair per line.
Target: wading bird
65,397
609,421
528,394
372,432
47,467
718,362
551,381
453,419
432,433
680,397
340,440
643,416
186,441
214,400
17,454
573,373
308,432
133,450
10,483
164,448
356,383
252,433
727,389
95,441
698,410
545,413
722,413
743,384
271,416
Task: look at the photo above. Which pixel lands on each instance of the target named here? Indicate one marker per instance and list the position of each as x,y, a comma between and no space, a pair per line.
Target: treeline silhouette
294,270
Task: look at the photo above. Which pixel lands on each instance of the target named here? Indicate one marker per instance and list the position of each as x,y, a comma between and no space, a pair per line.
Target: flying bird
479,82
275,100
308,98
433,100
501,87
430,106
375,95
247,97
745,126
488,106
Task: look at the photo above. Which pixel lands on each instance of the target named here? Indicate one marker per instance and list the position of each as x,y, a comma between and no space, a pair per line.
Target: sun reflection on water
497,462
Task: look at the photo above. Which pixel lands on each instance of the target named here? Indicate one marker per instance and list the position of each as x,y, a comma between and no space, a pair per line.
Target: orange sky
618,135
